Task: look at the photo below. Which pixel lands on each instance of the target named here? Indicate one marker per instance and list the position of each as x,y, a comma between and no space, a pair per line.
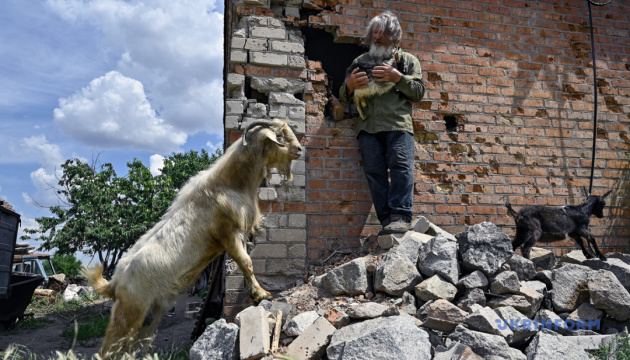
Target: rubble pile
433,295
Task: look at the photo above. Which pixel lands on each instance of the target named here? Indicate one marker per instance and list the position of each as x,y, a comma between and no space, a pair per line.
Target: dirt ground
174,331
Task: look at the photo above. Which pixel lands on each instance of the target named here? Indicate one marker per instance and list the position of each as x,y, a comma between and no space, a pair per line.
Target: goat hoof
603,258
260,296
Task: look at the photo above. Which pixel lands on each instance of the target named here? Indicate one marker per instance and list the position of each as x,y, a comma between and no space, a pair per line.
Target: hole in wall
254,94
451,123
319,45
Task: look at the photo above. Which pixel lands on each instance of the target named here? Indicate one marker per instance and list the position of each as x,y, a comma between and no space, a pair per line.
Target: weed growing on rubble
618,349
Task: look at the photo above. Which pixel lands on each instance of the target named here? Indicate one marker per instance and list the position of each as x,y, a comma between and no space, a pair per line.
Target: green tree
103,214
66,264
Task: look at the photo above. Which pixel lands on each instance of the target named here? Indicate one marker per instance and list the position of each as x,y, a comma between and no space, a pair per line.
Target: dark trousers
393,151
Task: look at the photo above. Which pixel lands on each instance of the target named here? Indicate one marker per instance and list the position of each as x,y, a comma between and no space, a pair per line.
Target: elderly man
385,133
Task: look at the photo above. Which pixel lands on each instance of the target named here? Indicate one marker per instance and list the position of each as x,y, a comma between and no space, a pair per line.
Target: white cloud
175,48
113,111
156,162
46,177
214,147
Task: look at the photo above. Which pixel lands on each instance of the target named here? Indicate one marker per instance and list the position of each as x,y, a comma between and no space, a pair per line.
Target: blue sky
110,79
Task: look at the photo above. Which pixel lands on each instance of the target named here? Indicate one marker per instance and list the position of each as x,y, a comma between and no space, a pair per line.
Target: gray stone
420,224
475,279
621,256
589,342
267,85
396,275
299,323
218,342
434,230
573,257
546,346
524,268
570,287
370,310
534,298
439,256
389,241
488,321
586,312
505,283
609,295
547,319
522,327
435,288
488,346
455,351
471,297
410,245
350,278
535,285
408,304
395,337
614,265
519,302
443,316
542,258
254,339
311,344
484,247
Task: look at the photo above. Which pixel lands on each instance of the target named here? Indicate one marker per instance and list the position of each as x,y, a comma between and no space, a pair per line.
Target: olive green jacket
392,110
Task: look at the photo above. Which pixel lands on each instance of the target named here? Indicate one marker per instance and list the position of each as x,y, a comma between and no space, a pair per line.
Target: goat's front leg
578,239
238,253
591,240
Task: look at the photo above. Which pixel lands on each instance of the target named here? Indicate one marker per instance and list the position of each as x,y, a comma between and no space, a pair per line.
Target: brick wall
511,79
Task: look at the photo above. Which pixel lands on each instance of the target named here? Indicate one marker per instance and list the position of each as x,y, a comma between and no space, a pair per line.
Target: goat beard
284,169
381,51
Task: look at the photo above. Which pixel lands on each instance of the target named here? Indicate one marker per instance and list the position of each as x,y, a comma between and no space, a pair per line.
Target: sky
103,79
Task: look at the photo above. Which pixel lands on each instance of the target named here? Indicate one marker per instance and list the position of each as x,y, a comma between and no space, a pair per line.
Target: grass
19,352
618,349
89,328
90,323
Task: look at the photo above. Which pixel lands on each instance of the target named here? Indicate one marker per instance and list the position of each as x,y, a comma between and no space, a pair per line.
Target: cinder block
269,251
287,235
296,62
254,338
297,220
312,343
269,33
267,194
235,107
284,98
238,43
238,56
268,59
256,44
288,47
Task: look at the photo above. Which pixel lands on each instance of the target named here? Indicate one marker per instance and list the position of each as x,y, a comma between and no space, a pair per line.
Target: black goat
546,224
374,87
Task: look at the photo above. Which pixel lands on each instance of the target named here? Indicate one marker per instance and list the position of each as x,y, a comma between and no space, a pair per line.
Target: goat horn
263,123
585,191
606,194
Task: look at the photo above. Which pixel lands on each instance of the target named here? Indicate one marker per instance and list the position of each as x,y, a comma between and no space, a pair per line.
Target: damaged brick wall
507,116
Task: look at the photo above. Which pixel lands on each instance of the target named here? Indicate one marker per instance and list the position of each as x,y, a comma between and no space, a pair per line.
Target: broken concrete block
299,323
218,341
312,343
254,339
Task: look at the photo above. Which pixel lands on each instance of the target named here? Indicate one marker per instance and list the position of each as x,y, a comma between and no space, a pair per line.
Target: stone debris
478,301
218,341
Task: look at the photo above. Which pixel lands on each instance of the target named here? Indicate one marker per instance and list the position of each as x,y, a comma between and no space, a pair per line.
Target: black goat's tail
514,214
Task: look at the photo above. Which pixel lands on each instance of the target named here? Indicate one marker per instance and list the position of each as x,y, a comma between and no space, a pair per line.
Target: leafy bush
618,349
66,264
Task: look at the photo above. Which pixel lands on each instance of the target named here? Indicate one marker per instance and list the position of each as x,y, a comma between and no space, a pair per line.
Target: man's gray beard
381,51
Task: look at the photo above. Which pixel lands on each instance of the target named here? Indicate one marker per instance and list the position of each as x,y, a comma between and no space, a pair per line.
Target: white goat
215,211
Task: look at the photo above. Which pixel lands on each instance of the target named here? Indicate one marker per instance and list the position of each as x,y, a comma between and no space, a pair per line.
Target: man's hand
386,73
356,80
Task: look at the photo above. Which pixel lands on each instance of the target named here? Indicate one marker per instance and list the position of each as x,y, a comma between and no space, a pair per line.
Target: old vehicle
16,288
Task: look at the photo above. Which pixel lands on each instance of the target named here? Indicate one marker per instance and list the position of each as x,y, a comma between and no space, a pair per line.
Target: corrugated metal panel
9,222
